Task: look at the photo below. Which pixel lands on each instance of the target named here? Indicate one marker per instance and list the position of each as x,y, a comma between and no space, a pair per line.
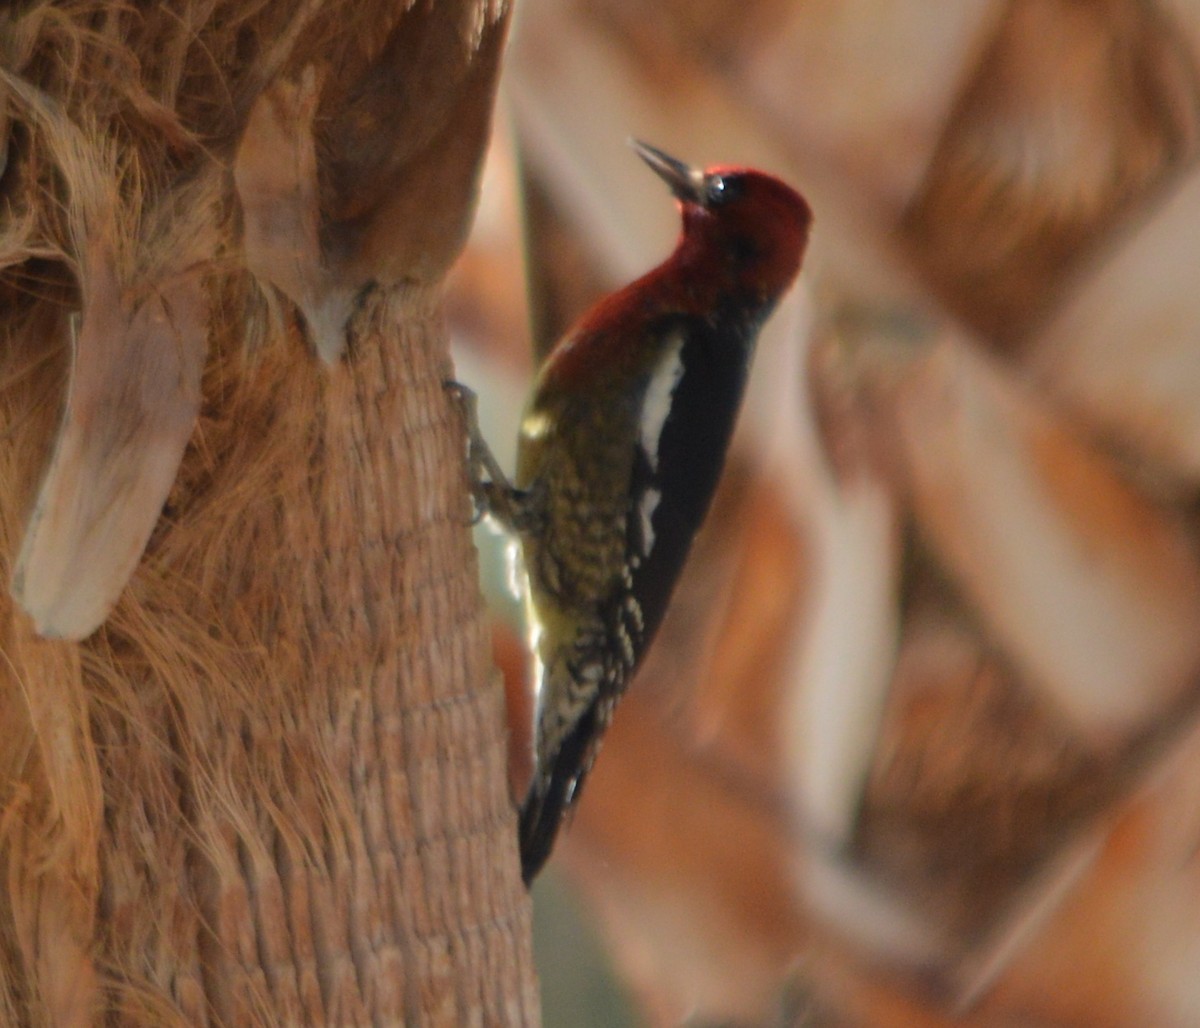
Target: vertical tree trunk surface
261,778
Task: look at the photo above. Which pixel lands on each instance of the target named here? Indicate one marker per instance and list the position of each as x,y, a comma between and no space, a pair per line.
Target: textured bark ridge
270,788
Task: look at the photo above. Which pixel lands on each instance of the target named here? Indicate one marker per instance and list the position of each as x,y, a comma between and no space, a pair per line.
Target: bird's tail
554,789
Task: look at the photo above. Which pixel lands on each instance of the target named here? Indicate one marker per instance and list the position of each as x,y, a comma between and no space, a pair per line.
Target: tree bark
270,789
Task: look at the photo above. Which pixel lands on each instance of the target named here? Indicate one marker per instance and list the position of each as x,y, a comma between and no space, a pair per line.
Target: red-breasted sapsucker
621,446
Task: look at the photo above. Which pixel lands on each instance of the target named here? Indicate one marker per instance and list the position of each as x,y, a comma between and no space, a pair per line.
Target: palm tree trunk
270,788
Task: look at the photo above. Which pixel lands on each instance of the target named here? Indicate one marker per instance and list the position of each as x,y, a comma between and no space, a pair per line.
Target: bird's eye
721,189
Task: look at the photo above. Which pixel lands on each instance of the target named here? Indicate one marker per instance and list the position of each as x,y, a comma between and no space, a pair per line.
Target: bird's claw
491,492
468,403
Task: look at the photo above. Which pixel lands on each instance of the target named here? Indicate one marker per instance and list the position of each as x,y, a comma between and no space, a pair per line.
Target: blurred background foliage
918,742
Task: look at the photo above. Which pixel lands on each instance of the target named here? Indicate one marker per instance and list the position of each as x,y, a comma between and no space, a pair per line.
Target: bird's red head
744,232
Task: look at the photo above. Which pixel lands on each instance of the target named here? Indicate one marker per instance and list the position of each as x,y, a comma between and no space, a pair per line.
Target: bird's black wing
678,485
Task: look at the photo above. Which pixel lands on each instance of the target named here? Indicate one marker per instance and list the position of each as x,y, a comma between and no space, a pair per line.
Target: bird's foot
491,492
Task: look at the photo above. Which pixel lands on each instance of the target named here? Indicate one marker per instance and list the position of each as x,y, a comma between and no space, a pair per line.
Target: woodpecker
621,445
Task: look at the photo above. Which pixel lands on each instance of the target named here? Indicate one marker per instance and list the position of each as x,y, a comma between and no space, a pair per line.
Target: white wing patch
650,501
656,407
659,396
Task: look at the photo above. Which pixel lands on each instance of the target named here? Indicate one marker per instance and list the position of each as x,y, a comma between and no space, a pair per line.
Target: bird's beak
686,182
